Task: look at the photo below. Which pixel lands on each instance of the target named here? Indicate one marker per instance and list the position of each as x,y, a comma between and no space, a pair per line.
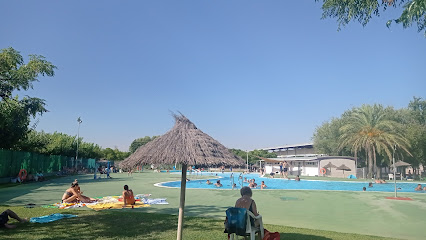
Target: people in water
208,182
364,189
418,188
218,184
297,178
252,183
370,184
263,185
128,197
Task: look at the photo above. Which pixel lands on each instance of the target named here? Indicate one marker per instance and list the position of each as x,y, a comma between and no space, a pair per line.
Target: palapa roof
329,165
401,164
343,167
183,144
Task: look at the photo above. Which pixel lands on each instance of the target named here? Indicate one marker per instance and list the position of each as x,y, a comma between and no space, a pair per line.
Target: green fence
11,162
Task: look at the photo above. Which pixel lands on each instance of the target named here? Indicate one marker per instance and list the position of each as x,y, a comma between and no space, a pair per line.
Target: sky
251,74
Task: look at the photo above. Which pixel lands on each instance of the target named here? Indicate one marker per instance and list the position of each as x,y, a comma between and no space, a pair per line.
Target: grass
128,224
295,214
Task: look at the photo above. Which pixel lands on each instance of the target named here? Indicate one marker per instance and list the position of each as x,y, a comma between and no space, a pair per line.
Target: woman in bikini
73,194
128,197
246,202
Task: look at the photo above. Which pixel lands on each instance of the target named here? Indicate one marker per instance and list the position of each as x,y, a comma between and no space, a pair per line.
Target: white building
312,165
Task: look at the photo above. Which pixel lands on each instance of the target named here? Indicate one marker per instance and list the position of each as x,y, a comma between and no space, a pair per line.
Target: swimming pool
278,183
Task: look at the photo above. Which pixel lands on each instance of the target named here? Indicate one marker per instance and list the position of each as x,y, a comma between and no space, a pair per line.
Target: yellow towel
118,205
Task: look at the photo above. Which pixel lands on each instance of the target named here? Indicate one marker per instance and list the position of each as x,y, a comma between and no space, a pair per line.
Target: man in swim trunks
281,169
4,218
285,169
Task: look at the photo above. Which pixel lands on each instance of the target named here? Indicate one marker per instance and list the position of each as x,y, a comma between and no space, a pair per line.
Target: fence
11,162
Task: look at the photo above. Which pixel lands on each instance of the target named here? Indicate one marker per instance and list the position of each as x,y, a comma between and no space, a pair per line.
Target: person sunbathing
128,197
4,218
73,195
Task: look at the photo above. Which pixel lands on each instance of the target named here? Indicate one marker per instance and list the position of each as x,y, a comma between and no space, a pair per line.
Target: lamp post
394,169
78,136
247,162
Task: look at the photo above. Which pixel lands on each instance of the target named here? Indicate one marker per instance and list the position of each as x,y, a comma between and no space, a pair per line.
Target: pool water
278,183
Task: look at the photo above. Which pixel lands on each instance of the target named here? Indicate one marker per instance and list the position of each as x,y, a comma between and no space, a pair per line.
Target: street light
78,136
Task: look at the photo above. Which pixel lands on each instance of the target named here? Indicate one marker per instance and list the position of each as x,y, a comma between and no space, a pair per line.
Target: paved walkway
352,212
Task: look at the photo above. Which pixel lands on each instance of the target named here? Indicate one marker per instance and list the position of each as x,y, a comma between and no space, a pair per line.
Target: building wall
338,162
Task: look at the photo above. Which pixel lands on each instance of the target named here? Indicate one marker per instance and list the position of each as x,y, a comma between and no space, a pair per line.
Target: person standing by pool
285,169
281,170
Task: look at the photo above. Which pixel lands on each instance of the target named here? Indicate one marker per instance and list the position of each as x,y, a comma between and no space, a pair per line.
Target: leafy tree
140,142
15,113
370,128
114,154
326,137
413,11
253,155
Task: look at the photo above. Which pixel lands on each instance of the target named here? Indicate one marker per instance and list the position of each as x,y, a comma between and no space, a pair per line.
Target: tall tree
371,129
140,142
413,11
15,75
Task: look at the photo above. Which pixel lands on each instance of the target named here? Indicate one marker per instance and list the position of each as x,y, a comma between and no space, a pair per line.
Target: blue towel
51,218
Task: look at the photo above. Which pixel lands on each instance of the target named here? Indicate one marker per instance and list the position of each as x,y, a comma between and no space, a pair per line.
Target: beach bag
271,236
236,221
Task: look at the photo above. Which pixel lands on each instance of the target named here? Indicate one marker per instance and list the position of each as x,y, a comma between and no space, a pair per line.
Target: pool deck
367,213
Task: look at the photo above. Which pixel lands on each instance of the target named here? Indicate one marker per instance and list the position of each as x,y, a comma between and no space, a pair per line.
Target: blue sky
251,74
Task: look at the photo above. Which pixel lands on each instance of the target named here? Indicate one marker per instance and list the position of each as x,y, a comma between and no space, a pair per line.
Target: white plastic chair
252,230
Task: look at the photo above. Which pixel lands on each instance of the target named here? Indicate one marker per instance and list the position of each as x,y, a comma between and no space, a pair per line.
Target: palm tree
371,129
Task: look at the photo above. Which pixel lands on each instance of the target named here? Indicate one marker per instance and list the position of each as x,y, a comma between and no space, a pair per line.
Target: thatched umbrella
344,168
329,165
184,144
401,164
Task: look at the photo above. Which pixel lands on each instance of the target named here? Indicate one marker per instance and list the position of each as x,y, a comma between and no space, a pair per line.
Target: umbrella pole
182,201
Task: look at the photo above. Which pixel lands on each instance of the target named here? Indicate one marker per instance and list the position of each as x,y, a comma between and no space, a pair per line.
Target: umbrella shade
329,165
184,144
343,167
401,164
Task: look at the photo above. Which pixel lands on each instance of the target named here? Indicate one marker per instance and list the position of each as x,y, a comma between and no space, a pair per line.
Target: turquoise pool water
277,183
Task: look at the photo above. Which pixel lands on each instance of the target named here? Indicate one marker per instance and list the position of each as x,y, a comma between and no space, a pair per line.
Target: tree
326,138
253,155
371,129
15,113
413,11
140,142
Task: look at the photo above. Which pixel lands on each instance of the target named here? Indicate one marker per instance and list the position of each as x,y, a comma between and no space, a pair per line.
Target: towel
117,205
154,201
51,218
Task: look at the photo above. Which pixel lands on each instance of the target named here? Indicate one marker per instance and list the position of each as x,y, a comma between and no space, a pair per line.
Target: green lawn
295,214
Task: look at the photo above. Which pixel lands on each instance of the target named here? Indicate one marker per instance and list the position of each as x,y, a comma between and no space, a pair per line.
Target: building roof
303,145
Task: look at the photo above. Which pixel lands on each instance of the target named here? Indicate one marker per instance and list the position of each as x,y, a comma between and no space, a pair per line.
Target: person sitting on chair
4,218
246,202
128,197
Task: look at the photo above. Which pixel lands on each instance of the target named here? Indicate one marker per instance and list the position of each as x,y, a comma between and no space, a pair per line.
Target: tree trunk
370,162
375,163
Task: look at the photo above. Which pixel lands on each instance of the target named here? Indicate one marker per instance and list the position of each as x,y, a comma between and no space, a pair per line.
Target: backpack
271,236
